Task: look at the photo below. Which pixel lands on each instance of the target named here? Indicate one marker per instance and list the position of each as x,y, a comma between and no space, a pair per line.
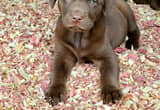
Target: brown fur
90,30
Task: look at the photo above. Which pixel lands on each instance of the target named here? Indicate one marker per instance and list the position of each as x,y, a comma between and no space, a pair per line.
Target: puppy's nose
76,18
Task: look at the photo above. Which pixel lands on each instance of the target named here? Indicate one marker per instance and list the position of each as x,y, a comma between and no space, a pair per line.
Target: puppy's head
80,15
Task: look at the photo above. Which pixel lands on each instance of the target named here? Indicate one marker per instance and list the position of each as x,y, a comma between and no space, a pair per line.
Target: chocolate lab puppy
154,4
90,30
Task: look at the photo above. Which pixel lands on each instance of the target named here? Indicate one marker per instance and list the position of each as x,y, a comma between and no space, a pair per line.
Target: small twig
150,26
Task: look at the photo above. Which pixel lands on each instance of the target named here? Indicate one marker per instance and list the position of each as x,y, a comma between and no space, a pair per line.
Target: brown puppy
89,30
154,4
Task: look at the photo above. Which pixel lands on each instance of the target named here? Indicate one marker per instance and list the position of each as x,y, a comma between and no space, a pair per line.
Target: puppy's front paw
110,94
55,94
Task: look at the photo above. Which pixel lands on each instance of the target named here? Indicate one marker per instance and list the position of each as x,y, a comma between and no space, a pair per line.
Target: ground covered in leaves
26,46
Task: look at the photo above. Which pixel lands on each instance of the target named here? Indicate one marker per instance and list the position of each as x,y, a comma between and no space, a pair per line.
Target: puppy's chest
77,41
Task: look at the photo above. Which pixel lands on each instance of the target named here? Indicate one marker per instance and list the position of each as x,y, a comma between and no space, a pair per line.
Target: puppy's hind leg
142,1
133,38
133,31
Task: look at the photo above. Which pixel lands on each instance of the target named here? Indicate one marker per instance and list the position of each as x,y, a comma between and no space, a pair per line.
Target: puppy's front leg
62,65
109,78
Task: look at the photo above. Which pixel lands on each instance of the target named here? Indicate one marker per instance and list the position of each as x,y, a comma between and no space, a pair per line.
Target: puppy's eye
92,1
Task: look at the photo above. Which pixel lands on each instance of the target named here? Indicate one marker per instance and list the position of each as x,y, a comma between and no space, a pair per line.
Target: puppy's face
80,15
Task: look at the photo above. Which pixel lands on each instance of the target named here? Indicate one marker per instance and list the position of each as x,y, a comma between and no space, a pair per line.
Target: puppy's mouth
82,26
76,29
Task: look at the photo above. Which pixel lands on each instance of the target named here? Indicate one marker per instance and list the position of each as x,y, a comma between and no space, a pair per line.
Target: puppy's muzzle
77,16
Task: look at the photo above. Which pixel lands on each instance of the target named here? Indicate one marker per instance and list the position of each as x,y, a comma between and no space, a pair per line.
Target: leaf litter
27,45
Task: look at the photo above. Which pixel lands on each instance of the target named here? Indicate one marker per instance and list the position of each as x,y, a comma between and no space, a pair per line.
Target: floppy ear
52,3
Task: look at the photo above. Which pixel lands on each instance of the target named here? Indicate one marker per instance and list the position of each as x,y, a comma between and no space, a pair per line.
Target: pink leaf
151,22
26,35
120,50
34,40
132,56
44,85
3,22
72,92
125,75
143,51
